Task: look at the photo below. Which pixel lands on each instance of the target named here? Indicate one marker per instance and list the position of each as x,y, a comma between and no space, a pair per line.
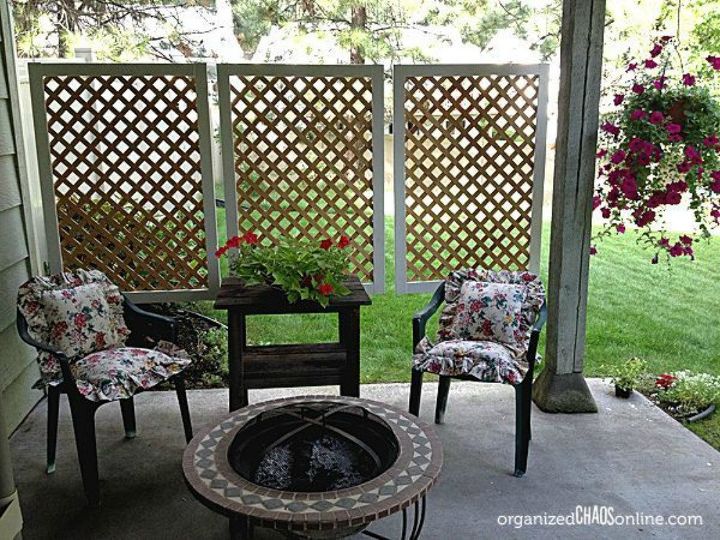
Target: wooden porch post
561,386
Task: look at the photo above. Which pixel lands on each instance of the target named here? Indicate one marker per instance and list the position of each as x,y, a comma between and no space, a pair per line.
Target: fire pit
315,467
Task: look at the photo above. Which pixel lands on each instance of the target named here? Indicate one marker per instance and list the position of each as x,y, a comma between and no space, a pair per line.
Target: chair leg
416,391
127,407
52,425
83,416
184,409
442,398
522,427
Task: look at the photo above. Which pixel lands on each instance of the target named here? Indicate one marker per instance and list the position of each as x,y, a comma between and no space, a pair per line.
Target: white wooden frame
400,74
375,73
38,71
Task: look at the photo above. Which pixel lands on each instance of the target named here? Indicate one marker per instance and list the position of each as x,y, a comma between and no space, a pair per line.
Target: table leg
349,320
236,346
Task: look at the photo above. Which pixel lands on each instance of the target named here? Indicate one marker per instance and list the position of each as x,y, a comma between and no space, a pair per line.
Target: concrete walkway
630,456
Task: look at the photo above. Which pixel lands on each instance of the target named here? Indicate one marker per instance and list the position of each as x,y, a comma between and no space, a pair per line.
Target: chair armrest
541,318
535,338
421,318
22,328
145,326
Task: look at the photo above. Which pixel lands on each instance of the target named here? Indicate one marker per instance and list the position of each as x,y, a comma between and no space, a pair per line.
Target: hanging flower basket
658,148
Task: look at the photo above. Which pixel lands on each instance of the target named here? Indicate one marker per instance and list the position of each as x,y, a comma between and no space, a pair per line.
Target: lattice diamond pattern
469,159
125,163
303,159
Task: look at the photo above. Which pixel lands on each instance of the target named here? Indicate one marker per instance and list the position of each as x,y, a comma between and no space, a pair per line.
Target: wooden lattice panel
303,159
469,164
125,164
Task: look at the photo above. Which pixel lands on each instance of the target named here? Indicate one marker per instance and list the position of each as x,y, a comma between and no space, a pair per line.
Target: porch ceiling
630,456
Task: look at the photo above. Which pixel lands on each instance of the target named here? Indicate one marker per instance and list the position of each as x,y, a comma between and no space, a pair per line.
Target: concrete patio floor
630,456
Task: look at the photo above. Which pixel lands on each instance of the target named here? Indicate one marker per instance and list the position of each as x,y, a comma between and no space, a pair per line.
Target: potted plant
626,376
304,269
660,146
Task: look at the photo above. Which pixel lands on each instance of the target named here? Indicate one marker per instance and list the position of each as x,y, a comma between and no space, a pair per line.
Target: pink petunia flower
650,63
617,157
656,50
659,83
714,61
610,128
672,198
638,114
620,228
618,99
629,188
684,167
656,117
715,184
711,140
632,66
643,217
676,250
688,79
673,128
692,155
678,186
638,88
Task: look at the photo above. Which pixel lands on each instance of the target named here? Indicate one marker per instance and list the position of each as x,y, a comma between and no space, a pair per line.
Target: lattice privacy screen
302,151
124,156
469,160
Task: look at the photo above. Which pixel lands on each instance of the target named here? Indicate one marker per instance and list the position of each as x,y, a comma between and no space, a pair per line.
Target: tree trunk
358,22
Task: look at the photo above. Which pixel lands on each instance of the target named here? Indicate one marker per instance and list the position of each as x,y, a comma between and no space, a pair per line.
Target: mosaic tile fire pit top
412,471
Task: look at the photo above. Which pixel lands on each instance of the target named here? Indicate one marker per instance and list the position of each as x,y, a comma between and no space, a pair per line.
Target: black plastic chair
145,328
523,390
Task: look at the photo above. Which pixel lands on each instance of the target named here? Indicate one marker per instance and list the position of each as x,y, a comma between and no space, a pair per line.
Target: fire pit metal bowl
315,466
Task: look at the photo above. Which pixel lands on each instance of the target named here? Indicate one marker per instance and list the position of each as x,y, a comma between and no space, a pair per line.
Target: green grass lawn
670,317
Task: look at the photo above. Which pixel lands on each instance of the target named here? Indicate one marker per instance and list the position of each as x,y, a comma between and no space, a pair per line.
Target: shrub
690,391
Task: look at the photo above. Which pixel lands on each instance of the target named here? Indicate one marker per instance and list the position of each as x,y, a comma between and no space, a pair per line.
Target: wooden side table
307,364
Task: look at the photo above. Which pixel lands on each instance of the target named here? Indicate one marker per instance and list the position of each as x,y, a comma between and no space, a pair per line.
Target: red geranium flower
250,238
326,244
233,242
666,380
325,289
344,241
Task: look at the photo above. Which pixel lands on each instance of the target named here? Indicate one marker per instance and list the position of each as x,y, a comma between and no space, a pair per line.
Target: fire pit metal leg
418,522
240,528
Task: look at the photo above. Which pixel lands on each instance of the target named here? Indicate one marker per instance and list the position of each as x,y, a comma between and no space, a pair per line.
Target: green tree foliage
116,27
368,29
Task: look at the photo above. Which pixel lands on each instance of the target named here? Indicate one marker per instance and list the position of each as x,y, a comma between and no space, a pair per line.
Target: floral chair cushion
489,311
77,313
119,373
487,361
534,298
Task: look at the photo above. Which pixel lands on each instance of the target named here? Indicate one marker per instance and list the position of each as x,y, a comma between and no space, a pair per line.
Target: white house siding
17,365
